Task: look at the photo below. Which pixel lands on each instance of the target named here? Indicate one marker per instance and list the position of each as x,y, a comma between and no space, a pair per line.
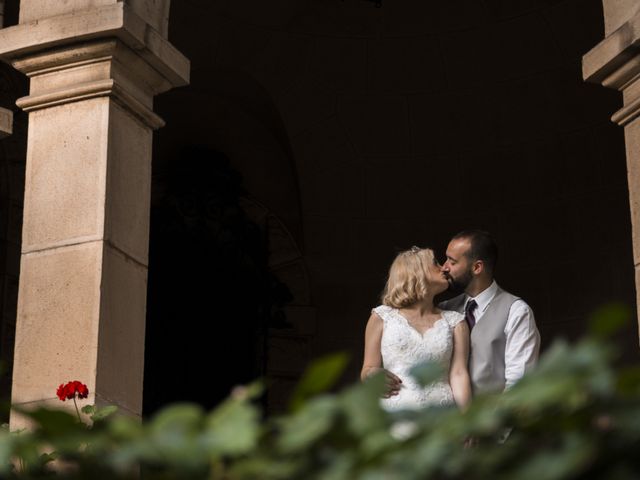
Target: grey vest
488,341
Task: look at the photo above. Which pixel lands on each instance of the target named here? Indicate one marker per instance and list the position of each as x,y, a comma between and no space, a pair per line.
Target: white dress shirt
522,336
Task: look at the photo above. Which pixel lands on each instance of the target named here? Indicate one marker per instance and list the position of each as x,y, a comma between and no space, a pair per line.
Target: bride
407,329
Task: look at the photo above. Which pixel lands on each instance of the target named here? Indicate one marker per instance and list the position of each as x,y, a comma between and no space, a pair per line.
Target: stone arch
286,346
456,93
232,110
268,198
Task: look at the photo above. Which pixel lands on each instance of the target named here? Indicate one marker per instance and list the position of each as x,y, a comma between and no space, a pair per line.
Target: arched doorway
228,285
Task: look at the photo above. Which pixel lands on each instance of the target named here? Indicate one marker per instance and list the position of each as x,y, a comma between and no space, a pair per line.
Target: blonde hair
408,279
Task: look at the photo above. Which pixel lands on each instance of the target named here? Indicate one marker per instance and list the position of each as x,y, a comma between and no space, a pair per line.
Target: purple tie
468,313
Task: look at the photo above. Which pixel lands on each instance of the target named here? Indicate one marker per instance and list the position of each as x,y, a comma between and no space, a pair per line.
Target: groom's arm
522,344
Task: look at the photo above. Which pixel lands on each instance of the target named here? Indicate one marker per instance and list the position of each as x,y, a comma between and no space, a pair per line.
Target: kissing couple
485,337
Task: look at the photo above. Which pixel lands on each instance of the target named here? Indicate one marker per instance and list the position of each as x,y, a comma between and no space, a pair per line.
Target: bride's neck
424,307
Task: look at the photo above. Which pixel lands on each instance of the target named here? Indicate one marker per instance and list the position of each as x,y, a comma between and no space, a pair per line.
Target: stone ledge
6,122
84,91
103,22
606,62
617,13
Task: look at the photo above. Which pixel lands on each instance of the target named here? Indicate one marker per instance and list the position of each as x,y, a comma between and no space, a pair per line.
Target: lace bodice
403,347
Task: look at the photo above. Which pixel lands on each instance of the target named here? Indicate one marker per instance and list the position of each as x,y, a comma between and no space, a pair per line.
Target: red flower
71,390
62,395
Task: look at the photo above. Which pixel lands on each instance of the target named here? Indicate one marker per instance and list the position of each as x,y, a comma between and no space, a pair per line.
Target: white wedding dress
403,347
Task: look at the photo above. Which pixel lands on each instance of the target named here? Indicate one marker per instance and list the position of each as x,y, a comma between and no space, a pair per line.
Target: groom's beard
460,284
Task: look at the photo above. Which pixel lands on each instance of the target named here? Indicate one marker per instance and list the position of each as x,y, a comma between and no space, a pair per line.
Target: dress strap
384,312
453,318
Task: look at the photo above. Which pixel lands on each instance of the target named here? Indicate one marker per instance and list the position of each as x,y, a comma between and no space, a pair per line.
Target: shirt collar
483,299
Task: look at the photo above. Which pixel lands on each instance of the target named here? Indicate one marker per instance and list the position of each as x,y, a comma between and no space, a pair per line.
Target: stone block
76,24
632,137
617,13
128,184
32,10
120,356
66,174
154,12
58,313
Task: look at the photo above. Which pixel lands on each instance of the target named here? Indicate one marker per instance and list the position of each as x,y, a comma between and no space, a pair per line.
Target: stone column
615,63
94,68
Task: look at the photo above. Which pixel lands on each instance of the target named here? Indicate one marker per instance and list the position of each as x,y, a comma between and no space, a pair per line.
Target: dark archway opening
12,183
211,295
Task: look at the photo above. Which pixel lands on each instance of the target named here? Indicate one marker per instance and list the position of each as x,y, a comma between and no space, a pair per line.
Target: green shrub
574,417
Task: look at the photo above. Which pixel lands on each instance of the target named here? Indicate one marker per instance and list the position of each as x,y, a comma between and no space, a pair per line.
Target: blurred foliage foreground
575,416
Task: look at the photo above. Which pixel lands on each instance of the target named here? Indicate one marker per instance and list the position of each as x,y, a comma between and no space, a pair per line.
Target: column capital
615,63
107,50
6,122
94,69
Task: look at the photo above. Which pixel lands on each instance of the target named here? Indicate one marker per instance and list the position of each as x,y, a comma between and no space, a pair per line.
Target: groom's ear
478,267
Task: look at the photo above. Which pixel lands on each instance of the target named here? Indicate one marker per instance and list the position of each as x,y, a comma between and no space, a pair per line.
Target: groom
504,338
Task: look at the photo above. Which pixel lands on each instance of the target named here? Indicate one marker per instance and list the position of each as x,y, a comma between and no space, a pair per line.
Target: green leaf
88,409
319,377
427,373
232,428
181,417
361,404
55,422
301,429
103,412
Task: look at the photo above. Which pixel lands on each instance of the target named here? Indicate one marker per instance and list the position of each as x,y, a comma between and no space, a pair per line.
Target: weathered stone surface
66,175
613,61
632,139
129,173
155,12
31,10
120,353
6,122
107,21
58,320
95,67
617,12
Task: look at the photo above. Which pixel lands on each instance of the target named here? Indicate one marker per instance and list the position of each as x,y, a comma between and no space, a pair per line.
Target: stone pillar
615,63
94,68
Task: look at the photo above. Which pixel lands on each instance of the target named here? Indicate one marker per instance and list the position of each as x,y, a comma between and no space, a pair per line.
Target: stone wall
366,130
410,122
